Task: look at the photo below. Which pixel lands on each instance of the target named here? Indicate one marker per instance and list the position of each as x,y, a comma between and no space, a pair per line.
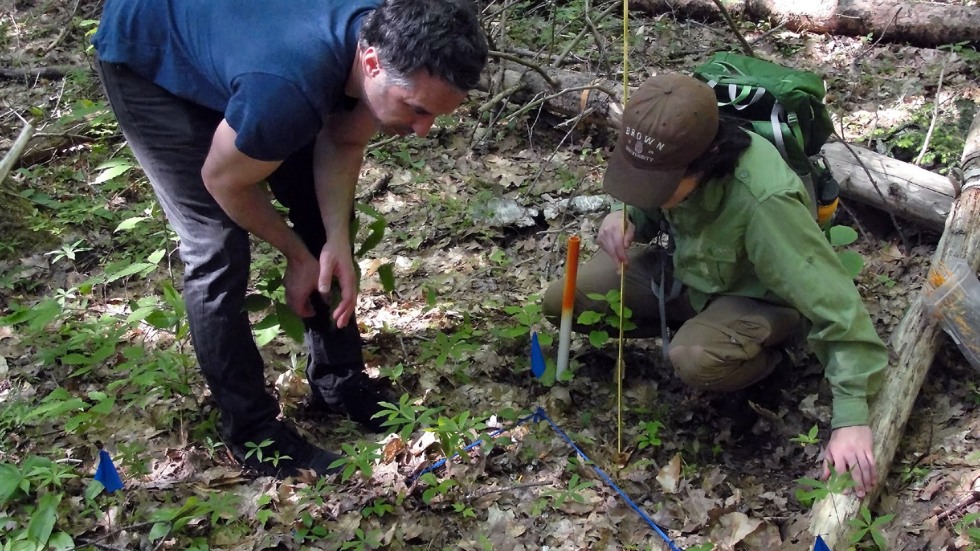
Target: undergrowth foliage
95,345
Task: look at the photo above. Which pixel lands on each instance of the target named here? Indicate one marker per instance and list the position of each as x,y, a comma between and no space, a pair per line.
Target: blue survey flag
107,474
820,545
537,358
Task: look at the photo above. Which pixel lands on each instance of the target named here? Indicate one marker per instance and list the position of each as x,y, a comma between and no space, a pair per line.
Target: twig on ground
946,515
884,32
16,150
731,24
597,36
768,33
935,112
526,63
574,42
64,31
874,183
504,94
55,72
97,542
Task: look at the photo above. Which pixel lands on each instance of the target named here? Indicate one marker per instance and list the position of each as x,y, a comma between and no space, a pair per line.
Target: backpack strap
659,289
777,130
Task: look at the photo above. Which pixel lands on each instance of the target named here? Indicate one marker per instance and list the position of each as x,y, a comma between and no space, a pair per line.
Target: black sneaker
285,455
349,391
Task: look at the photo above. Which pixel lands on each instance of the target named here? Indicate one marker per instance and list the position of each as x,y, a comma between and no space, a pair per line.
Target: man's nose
422,125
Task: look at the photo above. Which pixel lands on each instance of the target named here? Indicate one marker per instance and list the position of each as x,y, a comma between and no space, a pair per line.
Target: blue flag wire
820,545
540,415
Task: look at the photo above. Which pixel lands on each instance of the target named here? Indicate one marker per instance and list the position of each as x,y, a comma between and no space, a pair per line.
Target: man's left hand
337,261
851,449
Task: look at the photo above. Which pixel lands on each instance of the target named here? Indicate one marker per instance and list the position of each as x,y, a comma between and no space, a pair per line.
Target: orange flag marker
567,305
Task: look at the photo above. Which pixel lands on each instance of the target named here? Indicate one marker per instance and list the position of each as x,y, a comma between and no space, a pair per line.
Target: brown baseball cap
668,122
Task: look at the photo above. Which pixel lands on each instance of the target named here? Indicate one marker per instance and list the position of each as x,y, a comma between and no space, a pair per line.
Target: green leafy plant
310,529
357,457
842,236
968,528
435,487
808,438
913,473
451,430
30,497
649,435
371,236
68,251
378,508
812,490
557,498
168,521
887,281
362,540
457,346
464,510
258,451
606,320
406,417
393,373
866,526
526,317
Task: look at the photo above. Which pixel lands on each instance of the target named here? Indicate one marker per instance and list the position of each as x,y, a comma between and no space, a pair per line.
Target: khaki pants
728,346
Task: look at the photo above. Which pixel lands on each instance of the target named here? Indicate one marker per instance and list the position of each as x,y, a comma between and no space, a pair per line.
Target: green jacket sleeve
801,267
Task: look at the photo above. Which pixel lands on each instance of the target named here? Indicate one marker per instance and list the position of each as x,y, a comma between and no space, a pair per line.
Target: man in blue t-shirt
214,98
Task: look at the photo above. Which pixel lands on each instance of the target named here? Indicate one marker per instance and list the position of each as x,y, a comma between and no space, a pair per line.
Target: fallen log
906,190
32,75
914,343
567,93
925,24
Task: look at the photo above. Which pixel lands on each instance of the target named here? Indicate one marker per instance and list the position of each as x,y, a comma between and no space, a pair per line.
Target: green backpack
786,107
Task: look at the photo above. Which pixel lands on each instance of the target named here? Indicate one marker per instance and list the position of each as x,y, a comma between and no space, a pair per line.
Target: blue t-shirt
276,70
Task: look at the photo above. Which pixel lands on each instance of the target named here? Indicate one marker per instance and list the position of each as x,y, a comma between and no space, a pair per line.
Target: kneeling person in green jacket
748,264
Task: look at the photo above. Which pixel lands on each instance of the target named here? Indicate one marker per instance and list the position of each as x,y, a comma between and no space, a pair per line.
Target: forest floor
477,215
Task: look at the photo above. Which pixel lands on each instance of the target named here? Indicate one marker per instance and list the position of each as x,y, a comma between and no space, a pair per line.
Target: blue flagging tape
609,481
540,415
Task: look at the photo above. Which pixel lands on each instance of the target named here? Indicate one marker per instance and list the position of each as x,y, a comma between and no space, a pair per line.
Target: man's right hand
300,281
612,237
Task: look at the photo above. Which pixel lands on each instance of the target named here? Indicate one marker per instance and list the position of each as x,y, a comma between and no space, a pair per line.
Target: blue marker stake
537,358
107,474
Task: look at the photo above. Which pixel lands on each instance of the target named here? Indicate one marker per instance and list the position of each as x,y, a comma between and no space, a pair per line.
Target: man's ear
370,63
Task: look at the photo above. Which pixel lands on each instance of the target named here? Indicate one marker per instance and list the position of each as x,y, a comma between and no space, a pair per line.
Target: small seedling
808,438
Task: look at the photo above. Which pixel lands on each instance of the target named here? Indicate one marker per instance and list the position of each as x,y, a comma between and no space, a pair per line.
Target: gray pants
170,138
728,346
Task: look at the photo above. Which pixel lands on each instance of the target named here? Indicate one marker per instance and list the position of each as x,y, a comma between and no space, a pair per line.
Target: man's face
403,110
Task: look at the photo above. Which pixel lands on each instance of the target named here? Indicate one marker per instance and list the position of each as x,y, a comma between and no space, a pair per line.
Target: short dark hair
444,37
721,157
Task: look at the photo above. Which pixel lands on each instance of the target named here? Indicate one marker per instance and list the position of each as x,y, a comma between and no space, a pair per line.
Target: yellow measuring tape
620,368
